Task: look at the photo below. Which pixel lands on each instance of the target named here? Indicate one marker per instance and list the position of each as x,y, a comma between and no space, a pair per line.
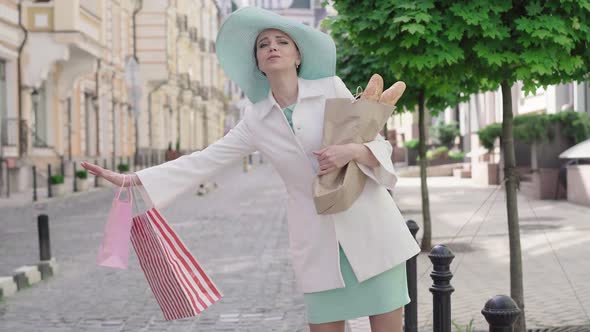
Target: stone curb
26,276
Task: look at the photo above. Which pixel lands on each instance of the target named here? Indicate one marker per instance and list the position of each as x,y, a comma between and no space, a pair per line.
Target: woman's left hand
334,157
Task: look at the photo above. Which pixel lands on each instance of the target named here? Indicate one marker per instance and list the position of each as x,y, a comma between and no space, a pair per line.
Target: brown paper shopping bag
347,121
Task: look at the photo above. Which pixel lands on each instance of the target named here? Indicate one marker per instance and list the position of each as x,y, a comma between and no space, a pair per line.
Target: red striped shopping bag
178,282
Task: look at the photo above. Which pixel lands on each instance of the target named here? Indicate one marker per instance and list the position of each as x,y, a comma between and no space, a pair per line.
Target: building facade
105,80
184,104
66,101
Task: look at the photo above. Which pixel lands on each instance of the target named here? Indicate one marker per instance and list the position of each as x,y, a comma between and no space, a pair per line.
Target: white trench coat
372,232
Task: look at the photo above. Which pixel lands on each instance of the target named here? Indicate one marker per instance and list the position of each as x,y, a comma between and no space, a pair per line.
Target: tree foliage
402,40
538,128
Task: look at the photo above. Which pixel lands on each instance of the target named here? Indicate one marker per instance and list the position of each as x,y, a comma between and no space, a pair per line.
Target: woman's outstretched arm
115,178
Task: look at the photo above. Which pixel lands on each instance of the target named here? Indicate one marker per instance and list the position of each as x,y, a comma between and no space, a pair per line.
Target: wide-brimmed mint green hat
235,49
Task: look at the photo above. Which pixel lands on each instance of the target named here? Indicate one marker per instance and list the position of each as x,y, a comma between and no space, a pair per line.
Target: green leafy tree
407,41
490,42
538,43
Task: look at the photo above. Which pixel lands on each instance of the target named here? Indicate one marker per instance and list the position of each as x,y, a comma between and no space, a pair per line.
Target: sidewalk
554,235
25,197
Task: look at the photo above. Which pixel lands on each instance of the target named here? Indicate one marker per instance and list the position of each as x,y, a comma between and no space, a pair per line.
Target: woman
348,264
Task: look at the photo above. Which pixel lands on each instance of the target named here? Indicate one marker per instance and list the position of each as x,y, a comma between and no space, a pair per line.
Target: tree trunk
516,287
427,235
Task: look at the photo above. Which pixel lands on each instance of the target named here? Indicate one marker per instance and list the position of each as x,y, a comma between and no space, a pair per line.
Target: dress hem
356,315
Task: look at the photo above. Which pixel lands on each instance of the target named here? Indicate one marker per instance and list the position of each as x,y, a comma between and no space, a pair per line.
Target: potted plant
412,150
486,170
58,187
82,180
123,168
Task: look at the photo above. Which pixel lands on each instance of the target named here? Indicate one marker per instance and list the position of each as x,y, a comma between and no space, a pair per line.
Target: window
91,114
182,22
193,34
305,4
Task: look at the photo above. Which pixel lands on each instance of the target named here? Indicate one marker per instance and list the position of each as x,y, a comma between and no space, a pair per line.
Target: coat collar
306,90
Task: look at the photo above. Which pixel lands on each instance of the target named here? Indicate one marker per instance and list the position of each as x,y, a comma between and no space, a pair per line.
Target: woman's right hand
113,177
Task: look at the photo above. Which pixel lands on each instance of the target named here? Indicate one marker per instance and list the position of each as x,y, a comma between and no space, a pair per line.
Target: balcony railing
183,81
194,85
217,94
204,92
193,34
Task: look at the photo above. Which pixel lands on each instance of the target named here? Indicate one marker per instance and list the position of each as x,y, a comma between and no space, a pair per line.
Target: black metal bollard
34,183
96,177
75,178
113,164
63,166
441,289
411,309
49,192
44,243
7,182
45,266
501,312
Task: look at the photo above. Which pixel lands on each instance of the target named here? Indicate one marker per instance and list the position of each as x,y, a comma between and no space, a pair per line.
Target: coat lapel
307,89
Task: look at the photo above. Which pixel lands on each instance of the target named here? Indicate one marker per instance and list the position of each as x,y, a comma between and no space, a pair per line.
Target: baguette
374,88
393,94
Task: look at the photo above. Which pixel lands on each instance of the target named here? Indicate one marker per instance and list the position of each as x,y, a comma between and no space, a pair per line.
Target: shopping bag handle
129,193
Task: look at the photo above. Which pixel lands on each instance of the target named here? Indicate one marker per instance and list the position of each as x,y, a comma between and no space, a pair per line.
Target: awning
578,151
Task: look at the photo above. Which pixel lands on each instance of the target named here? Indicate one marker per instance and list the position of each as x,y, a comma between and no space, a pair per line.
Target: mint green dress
383,293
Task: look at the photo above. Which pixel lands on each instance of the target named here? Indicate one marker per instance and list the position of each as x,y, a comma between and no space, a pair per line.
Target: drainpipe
19,80
135,12
135,113
114,122
96,105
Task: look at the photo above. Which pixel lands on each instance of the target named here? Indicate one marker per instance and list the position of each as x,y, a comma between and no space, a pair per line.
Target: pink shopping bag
181,287
114,249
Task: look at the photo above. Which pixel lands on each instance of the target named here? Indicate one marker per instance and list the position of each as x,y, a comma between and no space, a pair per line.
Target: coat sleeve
163,183
384,173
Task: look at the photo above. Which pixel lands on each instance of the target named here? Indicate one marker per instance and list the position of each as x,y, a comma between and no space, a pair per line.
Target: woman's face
276,51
